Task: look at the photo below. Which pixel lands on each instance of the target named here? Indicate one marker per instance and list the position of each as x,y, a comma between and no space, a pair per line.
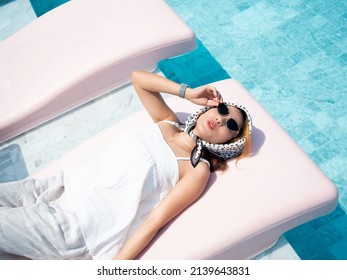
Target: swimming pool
291,55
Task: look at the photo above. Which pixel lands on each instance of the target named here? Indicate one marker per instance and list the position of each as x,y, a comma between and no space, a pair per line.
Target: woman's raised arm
148,86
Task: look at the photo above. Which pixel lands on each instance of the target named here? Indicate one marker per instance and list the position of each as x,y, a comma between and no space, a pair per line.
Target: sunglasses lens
232,125
222,109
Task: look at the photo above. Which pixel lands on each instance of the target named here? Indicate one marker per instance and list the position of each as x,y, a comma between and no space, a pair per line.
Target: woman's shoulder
200,172
197,177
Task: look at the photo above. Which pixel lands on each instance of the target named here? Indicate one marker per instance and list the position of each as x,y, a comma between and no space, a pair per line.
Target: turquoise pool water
291,55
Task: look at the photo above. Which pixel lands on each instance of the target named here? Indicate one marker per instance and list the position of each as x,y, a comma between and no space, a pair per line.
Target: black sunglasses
223,110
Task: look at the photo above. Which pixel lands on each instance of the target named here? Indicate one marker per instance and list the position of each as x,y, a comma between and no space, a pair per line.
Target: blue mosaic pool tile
319,139
314,244
319,223
321,238
298,57
41,7
310,49
243,6
339,212
336,231
341,32
323,42
323,6
326,152
335,237
333,50
329,237
317,21
303,231
324,255
334,168
338,250
342,59
249,85
196,68
341,181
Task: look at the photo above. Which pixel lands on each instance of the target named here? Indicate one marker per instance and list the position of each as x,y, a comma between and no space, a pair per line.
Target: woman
113,205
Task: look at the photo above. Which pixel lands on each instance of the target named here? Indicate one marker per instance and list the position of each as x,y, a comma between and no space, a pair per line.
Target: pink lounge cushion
245,210
80,50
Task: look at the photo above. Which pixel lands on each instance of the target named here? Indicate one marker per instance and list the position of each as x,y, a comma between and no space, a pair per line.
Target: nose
220,120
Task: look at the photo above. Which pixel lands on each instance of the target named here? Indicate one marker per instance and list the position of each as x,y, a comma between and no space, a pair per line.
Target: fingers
205,95
215,95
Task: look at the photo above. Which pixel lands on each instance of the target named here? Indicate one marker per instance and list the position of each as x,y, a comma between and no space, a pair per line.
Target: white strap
167,121
173,123
184,158
201,159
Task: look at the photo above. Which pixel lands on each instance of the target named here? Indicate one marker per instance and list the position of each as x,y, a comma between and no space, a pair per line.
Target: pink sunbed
79,51
245,210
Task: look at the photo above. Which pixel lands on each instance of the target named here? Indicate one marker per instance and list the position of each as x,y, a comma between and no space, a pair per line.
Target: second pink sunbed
79,51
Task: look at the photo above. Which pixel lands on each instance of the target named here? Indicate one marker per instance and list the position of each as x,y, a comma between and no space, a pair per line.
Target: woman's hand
205,95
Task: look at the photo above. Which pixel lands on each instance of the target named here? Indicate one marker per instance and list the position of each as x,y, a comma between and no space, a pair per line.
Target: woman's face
211,126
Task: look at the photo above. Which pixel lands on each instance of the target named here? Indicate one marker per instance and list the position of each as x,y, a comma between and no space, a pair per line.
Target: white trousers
35,221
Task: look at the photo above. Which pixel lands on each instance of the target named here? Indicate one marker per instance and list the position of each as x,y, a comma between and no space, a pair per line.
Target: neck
187,141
